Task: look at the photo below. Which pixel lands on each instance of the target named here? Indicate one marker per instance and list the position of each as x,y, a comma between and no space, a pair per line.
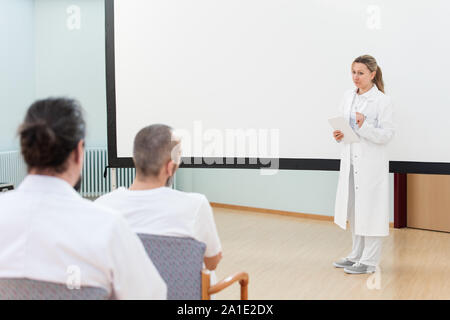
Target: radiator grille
93,184
12,168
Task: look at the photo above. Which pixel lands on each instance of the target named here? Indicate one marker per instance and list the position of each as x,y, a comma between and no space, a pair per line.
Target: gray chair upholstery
27,289
179,262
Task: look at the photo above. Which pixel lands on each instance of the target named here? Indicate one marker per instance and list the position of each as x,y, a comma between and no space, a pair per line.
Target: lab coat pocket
371,113
372,121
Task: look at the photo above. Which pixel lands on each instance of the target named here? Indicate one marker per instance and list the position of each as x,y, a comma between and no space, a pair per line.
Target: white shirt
49,233
165,211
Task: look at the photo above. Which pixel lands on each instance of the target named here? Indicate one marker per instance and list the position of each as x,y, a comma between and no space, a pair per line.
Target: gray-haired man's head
154,149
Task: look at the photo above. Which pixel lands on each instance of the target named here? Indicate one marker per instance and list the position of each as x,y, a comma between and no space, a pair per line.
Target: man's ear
79,152
171,168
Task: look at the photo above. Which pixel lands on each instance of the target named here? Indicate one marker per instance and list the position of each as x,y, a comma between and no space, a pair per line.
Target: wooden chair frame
208,290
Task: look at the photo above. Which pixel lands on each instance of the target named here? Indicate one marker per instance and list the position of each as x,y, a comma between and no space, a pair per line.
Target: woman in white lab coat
362,196
49,233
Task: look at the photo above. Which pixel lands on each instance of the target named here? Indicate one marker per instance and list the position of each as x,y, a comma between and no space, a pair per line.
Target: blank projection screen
247,79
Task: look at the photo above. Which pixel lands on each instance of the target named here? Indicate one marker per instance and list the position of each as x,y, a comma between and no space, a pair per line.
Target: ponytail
378,80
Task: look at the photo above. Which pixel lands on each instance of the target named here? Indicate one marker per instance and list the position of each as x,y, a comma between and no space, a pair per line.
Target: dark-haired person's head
52,139
156,155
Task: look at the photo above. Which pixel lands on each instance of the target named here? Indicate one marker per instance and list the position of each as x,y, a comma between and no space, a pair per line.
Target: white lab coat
49,233
371,166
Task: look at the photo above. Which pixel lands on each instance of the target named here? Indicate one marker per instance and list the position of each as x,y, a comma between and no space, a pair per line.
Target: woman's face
361,75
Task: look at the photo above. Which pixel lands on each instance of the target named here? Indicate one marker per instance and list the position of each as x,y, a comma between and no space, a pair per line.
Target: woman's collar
369,93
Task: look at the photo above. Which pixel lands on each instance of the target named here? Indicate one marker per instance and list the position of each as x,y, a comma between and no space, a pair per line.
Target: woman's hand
360,119
338,135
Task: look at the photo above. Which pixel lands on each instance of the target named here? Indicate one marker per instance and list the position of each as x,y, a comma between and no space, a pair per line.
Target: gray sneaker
359,268
343,263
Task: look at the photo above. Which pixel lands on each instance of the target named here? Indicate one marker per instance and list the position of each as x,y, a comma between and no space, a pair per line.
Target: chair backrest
179,262
27,289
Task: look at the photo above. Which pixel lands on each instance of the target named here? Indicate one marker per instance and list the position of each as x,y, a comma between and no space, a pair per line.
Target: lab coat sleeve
384,131
133,274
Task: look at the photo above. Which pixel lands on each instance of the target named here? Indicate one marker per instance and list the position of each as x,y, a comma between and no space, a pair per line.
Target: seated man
49,233
151,207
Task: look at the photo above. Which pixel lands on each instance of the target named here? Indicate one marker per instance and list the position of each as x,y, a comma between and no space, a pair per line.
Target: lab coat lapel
369,97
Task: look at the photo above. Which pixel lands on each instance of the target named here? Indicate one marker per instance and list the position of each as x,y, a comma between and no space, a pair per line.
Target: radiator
93,184
12,168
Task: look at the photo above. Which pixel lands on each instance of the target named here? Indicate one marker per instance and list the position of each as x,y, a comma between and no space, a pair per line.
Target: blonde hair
372,65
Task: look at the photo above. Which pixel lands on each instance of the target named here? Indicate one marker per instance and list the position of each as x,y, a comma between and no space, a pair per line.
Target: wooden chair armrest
242,277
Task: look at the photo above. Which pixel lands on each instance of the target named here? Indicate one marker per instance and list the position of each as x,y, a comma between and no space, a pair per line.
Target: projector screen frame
402,167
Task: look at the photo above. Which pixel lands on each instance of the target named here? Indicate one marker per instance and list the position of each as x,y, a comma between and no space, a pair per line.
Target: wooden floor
291,258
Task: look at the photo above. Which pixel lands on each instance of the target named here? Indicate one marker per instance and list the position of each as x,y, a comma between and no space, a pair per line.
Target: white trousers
365,249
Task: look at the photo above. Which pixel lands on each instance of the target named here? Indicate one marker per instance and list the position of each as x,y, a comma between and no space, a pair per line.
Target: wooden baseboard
271,211
279,212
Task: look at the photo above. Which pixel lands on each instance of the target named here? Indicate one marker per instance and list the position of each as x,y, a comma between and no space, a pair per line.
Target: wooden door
428,202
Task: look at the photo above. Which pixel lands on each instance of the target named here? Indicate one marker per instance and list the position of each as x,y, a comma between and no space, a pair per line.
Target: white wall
17,63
